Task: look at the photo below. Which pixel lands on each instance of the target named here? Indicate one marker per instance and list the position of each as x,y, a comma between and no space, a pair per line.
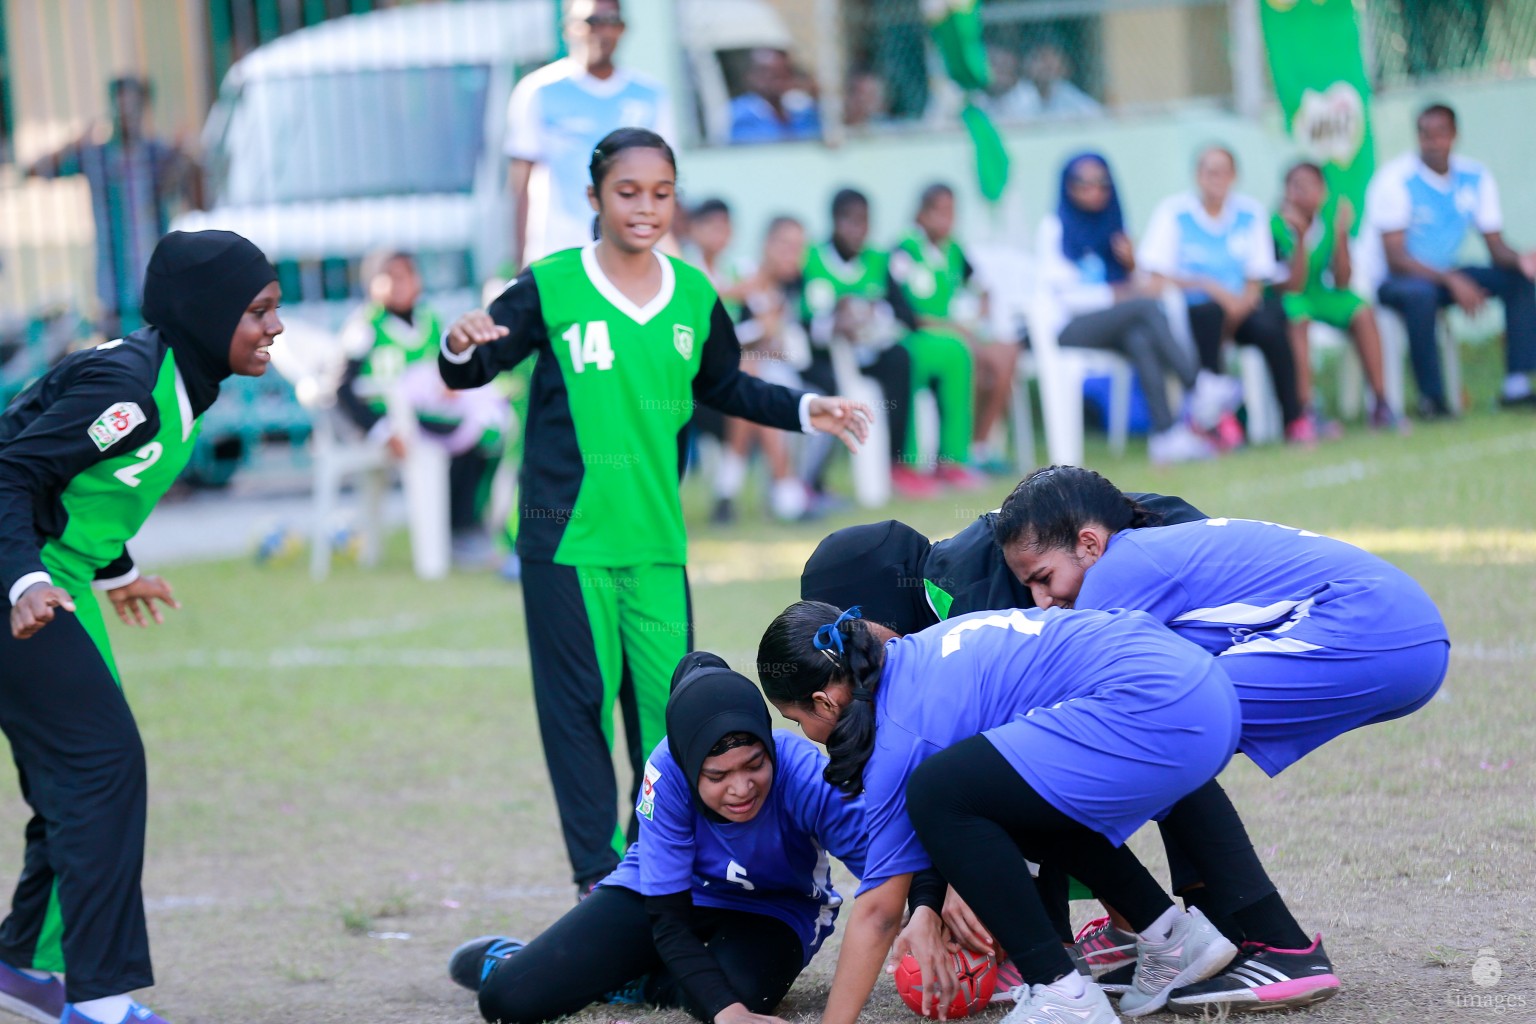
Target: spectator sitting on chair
1217,247
1312,240
970,376
392,342
1087,264
1423,205
772,109
850,298
773,345
135,181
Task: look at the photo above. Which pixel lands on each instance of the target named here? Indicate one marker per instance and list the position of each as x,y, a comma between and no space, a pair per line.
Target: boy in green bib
851,299
1311,233
628,342
85,453
971,377
391,343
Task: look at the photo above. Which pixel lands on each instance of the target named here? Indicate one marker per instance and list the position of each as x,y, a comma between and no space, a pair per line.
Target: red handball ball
976,972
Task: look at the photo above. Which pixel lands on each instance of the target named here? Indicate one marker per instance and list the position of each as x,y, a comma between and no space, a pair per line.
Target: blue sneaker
136,1015
33,998
632,994
473,962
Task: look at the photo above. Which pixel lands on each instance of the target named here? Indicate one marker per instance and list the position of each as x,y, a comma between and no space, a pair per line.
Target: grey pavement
208,525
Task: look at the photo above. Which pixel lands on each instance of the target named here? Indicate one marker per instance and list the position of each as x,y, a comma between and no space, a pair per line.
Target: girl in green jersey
629,340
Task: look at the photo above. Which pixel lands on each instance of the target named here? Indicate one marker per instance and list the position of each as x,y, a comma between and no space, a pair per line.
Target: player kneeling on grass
726,896
1317,636
85,453
1054,734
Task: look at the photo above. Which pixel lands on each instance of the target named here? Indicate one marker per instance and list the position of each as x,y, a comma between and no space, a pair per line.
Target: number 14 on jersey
589,347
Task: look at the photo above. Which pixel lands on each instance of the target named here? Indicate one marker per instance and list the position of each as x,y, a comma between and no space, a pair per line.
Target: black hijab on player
878,567
196,289
711,707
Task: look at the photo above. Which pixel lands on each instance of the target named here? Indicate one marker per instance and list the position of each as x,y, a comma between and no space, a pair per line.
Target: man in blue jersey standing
1423,205
558,114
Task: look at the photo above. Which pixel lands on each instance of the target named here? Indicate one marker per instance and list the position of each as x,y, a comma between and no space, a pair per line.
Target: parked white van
386,128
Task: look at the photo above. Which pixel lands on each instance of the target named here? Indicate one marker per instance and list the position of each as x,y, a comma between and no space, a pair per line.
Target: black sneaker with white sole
1261,978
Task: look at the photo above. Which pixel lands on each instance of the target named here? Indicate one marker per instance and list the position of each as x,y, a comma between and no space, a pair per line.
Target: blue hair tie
828,638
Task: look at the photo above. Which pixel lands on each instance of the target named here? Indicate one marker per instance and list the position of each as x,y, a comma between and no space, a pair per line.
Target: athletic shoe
1178,444
1384,419
39,999
136,1015
632,994
1261,978
1010,982
1118,981
961,478
1214,395
1302,432
473,962
910,484
724,512
1041,1004
1431,409
1525,401
1228,434
1193,951
1104,947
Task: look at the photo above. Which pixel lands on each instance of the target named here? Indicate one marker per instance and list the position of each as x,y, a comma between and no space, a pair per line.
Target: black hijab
197,287
709,702
878,567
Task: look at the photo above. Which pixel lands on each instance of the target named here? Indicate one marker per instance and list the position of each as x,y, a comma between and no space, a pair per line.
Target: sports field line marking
304,656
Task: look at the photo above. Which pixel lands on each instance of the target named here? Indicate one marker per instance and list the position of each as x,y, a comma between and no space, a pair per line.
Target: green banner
956,29
1319,72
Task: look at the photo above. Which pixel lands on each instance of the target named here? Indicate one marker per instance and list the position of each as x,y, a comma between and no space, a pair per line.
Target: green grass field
346,778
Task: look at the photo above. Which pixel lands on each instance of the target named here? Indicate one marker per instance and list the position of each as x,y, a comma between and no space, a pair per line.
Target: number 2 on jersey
148,456
594,349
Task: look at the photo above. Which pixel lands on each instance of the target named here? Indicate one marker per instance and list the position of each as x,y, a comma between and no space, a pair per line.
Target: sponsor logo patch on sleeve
115,424
646,806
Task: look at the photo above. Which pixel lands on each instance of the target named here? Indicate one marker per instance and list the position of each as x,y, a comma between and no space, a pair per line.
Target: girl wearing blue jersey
1053,734
726,896
1318,637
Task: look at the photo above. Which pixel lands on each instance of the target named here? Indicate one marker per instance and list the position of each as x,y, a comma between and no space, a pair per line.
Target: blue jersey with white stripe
776,864
985,670
1243,586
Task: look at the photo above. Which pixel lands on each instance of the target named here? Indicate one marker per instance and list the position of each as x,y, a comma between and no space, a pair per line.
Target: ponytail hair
1051,506
811,646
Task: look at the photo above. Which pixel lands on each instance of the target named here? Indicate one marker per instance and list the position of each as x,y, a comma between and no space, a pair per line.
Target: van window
354,134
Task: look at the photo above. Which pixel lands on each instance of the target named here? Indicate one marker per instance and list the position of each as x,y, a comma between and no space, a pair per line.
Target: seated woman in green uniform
1312,239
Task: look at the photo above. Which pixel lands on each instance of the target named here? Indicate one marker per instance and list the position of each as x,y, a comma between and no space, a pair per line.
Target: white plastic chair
872,462
311,360
1061,371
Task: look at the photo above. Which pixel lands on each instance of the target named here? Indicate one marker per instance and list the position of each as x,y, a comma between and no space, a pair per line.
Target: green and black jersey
829,279
85,453
930,276
613,389
379,346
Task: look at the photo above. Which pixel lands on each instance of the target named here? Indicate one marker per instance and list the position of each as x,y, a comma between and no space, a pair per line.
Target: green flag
956,28
1319,72
991,154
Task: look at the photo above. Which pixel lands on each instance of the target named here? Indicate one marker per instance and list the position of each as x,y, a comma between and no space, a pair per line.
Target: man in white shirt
555,118
1423,204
